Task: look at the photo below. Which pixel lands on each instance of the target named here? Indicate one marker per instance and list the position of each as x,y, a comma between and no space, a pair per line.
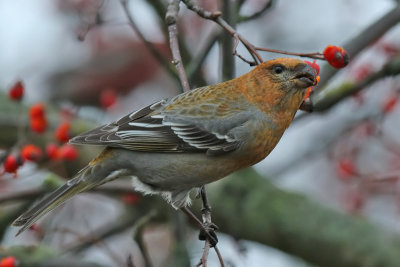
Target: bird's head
288,73
279,84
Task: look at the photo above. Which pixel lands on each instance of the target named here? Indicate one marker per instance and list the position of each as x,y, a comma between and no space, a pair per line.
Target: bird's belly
175,172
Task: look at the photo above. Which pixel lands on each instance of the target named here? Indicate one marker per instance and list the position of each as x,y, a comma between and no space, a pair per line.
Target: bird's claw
207,232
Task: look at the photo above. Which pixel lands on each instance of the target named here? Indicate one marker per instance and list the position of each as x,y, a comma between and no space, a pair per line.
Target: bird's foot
207,232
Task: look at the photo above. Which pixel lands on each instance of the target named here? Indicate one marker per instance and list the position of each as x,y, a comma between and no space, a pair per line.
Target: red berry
52,151
68,152
9,261
37,111
38,124
390,103
62,132
10,164
346,169
17,91
31,153
108,98
336,56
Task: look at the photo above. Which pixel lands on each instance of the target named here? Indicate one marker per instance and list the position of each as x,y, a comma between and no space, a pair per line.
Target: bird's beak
305,76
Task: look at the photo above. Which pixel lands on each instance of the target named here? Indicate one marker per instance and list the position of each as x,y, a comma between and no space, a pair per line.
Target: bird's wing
155,129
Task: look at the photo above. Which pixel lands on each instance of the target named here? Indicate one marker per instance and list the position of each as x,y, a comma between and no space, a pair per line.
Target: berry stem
315,55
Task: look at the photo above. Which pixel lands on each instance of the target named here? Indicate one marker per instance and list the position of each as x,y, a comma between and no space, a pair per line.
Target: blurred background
328,195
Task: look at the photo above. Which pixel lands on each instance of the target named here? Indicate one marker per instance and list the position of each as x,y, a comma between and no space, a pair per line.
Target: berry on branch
336,56
17,91
62,132
31,153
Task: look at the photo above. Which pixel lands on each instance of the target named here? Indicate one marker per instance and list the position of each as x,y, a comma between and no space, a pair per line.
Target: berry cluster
39,125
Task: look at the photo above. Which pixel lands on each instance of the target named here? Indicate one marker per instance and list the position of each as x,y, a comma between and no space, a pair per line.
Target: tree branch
227,43
216,17
170,19
153,50
195,64
268,4
294,224
138,229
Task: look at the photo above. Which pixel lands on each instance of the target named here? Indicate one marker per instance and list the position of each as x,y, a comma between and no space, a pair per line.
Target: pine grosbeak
195,138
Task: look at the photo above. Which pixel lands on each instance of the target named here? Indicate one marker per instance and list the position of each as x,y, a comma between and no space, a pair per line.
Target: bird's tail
74,186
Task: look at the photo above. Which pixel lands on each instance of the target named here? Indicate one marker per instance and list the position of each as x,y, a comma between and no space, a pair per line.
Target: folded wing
153,129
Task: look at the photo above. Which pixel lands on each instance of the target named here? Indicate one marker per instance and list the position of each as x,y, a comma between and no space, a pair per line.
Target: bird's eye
278,69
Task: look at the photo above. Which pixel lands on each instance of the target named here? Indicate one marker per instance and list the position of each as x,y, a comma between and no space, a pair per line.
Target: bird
175,145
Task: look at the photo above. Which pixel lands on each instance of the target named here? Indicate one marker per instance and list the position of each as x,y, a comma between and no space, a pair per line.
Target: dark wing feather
152,131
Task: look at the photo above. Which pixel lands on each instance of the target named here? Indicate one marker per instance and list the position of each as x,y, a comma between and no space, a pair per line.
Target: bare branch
258,13
216,17
138,235
170,20
149,45
102,233
227,44
206,216
194,65
204,257
315,55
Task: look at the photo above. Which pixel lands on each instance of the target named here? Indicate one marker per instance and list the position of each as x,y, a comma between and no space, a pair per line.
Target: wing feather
152,129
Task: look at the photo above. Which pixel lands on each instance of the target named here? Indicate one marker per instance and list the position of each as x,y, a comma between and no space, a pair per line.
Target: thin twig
190,214
103,244
258,13
204,257
170,20
315,55
138,235
94,19
195,64
221,261
129,261
91,237
206,215
216,17
149,45
122,224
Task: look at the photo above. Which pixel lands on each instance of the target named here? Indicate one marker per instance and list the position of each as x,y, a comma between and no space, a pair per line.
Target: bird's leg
208,226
